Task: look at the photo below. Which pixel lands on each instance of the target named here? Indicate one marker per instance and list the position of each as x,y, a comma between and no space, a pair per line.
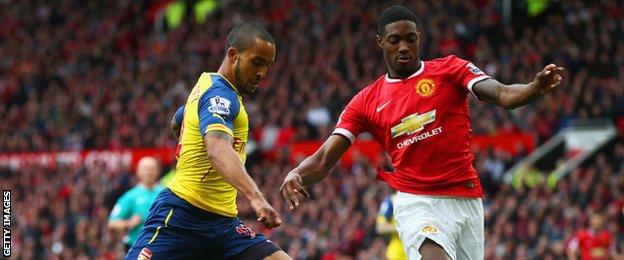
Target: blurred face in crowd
400,42
147,171
596,221
251,65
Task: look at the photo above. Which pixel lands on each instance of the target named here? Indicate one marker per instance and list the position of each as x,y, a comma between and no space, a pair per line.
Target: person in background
130,211
386,225
592,243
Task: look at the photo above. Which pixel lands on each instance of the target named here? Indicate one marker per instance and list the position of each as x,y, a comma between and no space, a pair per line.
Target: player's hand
293,186
134,221
266,214
549,78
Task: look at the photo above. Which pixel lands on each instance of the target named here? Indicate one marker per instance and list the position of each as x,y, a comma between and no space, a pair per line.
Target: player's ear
379,40
232,54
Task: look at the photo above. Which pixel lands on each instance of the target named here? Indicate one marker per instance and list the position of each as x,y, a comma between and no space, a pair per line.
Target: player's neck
148,187
394,75
228,74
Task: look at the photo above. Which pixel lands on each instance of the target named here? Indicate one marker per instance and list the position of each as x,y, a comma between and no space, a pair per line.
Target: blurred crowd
97,74
79,75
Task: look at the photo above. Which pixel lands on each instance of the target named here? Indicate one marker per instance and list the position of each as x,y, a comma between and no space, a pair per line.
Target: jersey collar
418,72
226,80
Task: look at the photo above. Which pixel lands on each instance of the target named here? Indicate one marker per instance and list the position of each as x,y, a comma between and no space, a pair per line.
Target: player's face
147,172
400,43
252,65
596,221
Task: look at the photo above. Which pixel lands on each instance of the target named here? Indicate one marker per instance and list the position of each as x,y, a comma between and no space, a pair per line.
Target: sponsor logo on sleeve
219,105
472,68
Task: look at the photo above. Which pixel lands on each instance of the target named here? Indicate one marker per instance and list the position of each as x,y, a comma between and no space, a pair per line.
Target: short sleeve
352,121
121,210
218,107
465,73
179,115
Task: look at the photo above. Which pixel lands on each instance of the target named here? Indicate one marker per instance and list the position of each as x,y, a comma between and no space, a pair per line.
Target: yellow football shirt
394,250
213,104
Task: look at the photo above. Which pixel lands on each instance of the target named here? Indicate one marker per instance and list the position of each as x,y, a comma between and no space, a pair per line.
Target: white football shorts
455,223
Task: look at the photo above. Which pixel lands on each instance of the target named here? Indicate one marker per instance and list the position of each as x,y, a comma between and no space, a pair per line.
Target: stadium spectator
130,211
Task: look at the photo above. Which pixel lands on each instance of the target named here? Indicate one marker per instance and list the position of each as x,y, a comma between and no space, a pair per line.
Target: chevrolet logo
413,123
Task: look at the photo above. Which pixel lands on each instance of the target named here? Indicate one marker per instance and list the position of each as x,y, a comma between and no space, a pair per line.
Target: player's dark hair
393,14
242,36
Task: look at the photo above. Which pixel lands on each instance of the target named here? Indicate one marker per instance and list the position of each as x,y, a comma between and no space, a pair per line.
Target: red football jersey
423,123
592,246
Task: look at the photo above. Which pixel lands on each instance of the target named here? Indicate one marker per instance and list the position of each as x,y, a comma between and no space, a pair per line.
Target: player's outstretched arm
313,169
124,224
517,95
227,163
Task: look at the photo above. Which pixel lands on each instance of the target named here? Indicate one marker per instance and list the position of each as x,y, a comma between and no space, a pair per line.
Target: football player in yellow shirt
196,216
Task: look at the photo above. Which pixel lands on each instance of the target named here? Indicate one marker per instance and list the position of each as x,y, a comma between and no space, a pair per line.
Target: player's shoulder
217,84
372,88
445,62
219,92
128,195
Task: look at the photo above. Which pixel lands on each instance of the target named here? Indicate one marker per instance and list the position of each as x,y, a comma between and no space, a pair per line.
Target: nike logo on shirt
383,106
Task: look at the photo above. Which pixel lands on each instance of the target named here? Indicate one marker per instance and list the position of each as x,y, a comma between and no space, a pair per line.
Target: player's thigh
430,250
173,230
472,239
422,218
262,251
279,255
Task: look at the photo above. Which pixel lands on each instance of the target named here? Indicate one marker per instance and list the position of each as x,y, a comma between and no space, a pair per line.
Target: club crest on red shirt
425,87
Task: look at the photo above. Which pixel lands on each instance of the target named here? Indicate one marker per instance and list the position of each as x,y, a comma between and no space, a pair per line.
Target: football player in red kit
418,112
592,243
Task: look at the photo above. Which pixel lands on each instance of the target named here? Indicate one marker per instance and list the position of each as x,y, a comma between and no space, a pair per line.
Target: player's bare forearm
227,163
317,166
313,169
505,96
384,228
118,224
517,95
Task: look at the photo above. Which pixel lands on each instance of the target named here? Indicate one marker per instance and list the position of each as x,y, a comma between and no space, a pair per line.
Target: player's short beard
238,76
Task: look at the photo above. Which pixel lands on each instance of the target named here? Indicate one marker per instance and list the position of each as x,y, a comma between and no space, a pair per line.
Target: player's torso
196,179
594,246
143,198
423,118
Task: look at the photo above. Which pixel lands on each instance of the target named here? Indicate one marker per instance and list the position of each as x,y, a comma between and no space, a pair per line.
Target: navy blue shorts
175,229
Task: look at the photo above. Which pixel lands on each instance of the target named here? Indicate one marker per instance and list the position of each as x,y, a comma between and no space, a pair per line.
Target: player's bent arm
317,166
517,95
120,224
227,163
313,169
384,227
505,96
